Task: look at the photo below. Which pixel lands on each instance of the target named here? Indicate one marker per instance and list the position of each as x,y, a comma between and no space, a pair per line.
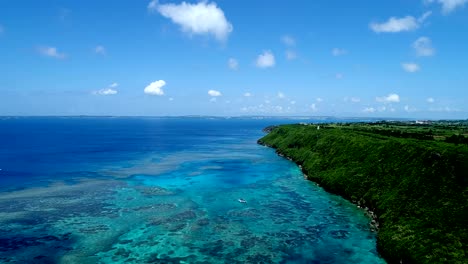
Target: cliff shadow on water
417,185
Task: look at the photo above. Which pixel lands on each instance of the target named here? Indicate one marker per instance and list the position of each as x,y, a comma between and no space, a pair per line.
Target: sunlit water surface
159,190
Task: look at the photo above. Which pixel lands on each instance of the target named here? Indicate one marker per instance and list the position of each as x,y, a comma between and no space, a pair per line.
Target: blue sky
395,58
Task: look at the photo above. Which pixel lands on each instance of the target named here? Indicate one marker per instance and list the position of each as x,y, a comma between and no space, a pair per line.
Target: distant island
410,177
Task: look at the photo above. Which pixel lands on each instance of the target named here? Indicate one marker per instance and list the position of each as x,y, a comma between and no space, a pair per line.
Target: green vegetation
413,176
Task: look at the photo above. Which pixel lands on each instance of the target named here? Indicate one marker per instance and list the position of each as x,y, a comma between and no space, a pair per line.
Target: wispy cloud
395,24
100,50
281,95
339,52
247,94
155,88
291,55
107,91
449,6
202,18
369,110
430,100
233,64
51,52
265,60
423,47
288,41
410,67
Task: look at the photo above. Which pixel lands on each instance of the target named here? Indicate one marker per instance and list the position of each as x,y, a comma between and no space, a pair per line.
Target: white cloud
391,98
319,100
394,24
265,60
155,88
430,100
100,50
171,99
107,91
292,102
281,95
339,52
291,55
313,107
233,64
410,67
214,93
198,19
288,41
369,110
352,99
423,47
213,99
52,52
449,5
247,94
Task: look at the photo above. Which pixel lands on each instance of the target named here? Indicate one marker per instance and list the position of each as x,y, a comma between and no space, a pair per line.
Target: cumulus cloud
391,98
288,41
114,85
430,100
291,55
233,64
100,50
410,67
394,24
214,93
202,18
265,60
423,47
155,88
339,52
449,6
52,52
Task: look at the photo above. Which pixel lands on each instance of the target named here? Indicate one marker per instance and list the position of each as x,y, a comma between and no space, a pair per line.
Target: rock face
417,203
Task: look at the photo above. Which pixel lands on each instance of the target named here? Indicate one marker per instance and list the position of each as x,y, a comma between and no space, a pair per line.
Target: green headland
411,177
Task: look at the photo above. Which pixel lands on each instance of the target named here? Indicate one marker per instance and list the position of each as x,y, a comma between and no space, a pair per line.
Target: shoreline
374,219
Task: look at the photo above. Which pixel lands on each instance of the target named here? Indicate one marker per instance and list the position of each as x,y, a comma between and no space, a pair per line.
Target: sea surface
165,190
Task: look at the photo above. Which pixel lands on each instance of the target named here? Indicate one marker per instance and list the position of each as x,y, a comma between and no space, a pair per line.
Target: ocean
165,190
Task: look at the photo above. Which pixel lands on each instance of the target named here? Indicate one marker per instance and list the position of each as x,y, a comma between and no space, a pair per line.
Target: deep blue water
156,190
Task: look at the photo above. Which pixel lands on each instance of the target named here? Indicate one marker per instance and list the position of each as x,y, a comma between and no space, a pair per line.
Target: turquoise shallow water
180,205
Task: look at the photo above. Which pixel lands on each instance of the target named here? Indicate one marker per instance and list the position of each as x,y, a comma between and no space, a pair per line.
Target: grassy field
413,176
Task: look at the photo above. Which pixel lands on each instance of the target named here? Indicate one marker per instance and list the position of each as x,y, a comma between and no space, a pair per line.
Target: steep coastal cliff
417,186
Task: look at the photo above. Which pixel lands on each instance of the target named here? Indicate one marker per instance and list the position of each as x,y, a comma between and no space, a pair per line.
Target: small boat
242,200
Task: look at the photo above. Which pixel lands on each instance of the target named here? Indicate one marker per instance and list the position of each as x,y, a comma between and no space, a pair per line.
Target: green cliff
416,185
